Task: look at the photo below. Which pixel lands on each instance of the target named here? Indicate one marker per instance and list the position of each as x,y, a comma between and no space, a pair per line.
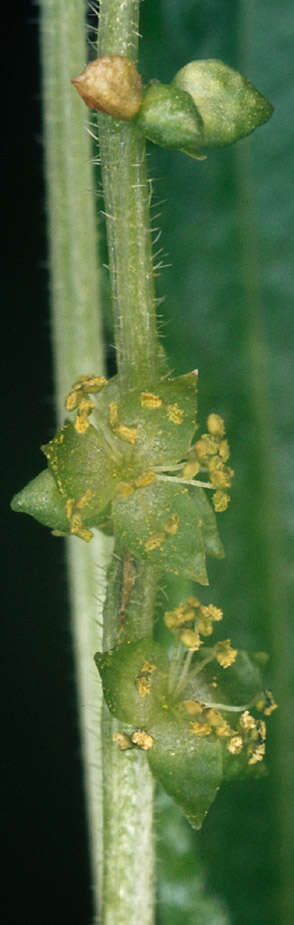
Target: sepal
134,679
168,117
41,499
169,526
187,766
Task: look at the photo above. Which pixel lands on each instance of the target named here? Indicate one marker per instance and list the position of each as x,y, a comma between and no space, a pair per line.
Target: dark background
228,234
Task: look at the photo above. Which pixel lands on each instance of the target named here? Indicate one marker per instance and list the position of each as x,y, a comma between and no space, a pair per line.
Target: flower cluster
125,462
188,622
212,452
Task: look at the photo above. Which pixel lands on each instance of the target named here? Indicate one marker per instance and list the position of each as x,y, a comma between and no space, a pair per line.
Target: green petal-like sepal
168,117
188,766
42,500
229,105
206,521
234,695
84,470
134,679
164,418
161,524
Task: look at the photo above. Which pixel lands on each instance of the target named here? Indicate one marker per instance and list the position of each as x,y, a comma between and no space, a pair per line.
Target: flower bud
112,85
229,105
168,117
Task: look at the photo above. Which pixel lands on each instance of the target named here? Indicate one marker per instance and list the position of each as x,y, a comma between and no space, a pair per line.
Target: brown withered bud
112,85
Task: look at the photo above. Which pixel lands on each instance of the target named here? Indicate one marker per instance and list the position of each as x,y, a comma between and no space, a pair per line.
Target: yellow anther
266,703
224,653
86,406
84,499
144,679
89,383
81,423
211,612
235,745
143,686
261,729
77,528
154,541
193,601
148,668
258,754
128,434
145,479
125,489
142,739
172,525
224,450
113,415
175,414
224,730
122,740
192,707
205,627
149,400
191,639
190,469
215,425
69,506
220,501
200,729
247,721
181,615
201,449
72,400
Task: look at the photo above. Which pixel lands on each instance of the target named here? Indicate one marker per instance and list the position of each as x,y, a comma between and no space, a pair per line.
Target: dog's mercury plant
129,461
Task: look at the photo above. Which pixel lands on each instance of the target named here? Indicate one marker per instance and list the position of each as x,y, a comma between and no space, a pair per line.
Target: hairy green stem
127,200
128,786
77,341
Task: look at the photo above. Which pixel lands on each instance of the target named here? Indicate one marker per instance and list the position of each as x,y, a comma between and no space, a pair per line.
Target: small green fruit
168,117
229,105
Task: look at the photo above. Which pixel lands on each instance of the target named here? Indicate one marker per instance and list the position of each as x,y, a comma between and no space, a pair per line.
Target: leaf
206,515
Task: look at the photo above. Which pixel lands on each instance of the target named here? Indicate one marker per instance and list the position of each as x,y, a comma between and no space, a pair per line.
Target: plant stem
128,894
77,341
128,787
127,199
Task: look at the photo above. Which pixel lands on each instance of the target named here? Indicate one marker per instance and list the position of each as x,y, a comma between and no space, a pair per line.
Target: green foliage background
227,309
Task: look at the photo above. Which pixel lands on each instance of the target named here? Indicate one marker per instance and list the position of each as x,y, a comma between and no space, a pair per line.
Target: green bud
229,105
134,679
168,117
188,766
